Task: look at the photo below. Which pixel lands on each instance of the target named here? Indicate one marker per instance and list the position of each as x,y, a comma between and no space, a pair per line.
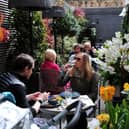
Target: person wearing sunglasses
82,76
83,79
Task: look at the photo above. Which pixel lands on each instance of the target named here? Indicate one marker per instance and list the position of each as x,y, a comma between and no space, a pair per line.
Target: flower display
72,23
114,116
126,86
94,124
79,13
107,92
49,36
113,59
4,34
103,118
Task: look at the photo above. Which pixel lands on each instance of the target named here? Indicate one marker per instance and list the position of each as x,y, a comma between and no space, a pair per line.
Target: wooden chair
49,81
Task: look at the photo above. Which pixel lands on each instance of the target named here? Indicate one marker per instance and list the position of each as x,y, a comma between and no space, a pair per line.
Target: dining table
46,109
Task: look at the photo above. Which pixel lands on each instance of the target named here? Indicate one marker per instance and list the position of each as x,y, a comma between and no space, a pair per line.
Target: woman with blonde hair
82,76
84,80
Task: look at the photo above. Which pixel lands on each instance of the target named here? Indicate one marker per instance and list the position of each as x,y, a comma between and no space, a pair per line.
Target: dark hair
21,61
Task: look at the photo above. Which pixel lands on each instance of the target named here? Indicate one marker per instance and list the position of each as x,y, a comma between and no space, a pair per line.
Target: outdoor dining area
64,64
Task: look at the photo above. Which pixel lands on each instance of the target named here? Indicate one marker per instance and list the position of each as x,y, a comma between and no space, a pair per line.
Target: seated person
77,49
50,73
91,51
83,80
82,77
15,82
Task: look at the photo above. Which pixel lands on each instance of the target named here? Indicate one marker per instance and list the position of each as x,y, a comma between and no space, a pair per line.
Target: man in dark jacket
15,83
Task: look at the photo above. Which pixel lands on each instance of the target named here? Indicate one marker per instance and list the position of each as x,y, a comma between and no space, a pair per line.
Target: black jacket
16,85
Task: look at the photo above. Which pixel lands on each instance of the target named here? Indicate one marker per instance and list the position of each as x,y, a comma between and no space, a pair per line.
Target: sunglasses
77,58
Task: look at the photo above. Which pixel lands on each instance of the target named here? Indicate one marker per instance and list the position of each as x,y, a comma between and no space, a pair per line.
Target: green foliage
69,41
28,29
69,25
119,115
21,23
29,33
125,24
87,33
40,54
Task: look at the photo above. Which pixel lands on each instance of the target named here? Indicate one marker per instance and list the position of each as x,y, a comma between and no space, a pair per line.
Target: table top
84,98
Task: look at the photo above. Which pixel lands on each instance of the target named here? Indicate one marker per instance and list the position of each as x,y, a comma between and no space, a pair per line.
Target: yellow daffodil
103,118
126,86
107,92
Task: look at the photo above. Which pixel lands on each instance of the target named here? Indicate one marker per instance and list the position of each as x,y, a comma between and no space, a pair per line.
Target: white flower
126,67
118,34
113,57
93,124
114,49
126,36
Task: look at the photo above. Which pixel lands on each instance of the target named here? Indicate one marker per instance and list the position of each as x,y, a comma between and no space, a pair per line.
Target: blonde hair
87,69
50,55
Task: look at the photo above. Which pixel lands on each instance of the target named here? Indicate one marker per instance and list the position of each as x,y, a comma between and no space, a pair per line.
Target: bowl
53,101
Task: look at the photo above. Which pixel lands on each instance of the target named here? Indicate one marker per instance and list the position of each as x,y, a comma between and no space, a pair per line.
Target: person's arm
20,95
65,79
19,91
32,96
94,87
38,101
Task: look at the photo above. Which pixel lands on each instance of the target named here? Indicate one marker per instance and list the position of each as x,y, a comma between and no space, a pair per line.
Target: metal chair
96,109
71,125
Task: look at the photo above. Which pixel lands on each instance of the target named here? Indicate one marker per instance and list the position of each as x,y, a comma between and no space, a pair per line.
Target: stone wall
96,3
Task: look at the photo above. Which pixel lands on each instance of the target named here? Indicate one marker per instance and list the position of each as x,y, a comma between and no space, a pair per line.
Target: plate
74,94
52,102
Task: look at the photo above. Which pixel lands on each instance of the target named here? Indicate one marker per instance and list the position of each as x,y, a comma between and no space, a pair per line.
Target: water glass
68,95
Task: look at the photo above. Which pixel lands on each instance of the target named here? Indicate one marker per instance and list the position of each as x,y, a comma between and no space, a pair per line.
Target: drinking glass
68,95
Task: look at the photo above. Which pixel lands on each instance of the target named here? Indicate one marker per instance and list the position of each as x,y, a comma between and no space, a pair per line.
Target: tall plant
29,33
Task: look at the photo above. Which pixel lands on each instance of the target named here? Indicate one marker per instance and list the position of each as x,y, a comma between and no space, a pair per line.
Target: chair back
49,81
